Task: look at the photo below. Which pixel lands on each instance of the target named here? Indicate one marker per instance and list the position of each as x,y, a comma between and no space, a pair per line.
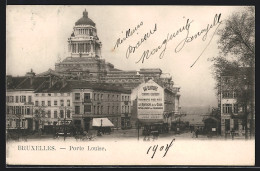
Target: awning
105,122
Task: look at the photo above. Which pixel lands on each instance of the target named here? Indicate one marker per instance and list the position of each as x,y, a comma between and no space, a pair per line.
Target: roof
150,70
69,85
85,20
25,83
49,72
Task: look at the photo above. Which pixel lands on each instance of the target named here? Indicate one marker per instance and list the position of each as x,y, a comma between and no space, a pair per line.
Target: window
77,109
98,110
49,94
117,97
55,102
29,99
68,113
62,102
77,96
87,108
122,98
28,111
86,96
127,109
108,109
97,96
43,103
36,95
94,108
227,94
22,99
235,108
108,96
49,103
16,99
227,108
36,103
49,114
117,109
61,114
68,102
55,114
101,97
122,109
113,97
235,94
94,96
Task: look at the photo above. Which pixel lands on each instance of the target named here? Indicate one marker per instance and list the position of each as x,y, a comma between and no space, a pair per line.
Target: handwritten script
163,148
186,28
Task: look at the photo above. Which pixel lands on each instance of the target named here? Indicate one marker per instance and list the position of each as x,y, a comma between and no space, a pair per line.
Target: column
77,47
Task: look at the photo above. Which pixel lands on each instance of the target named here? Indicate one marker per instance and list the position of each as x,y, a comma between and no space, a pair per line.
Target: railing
87,101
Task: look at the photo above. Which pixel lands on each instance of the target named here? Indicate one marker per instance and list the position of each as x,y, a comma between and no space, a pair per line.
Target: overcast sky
37,35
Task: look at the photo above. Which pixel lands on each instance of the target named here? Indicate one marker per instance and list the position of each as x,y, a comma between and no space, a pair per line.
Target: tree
236,58
40,117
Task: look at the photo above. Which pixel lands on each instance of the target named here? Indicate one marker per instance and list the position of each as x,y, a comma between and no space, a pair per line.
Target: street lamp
65,119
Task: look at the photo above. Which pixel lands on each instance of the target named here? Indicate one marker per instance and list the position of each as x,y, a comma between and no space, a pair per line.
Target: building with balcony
20,100
95,100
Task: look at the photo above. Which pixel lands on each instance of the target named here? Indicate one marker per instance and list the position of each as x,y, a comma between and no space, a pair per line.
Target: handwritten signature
131,49
128,33
185,28
165,148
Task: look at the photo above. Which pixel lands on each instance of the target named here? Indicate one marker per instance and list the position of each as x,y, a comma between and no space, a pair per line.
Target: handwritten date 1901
162,148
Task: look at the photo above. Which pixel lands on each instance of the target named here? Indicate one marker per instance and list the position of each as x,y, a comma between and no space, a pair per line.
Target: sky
36,36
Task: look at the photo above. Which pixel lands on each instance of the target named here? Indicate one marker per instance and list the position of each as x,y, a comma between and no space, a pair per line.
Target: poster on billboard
150,103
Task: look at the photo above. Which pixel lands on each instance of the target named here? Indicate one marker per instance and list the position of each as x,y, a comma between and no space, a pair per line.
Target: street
129,134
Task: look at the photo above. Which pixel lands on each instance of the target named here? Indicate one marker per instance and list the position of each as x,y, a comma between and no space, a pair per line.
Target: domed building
84,47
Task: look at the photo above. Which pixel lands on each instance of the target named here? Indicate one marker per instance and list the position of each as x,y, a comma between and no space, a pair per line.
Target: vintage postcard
130,85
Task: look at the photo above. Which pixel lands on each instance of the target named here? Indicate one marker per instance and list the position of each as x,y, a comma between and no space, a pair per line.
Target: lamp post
65,119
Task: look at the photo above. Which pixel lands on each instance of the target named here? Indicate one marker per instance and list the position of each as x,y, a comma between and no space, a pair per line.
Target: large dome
85,20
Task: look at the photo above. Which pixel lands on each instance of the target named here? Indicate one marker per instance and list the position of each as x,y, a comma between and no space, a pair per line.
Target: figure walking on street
197,132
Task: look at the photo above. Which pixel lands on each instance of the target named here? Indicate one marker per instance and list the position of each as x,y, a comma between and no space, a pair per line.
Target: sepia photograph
170,85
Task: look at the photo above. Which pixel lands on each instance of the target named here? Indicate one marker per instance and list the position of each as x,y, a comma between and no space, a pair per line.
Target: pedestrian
197,132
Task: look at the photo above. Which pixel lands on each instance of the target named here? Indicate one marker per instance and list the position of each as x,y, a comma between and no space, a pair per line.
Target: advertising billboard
150,101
